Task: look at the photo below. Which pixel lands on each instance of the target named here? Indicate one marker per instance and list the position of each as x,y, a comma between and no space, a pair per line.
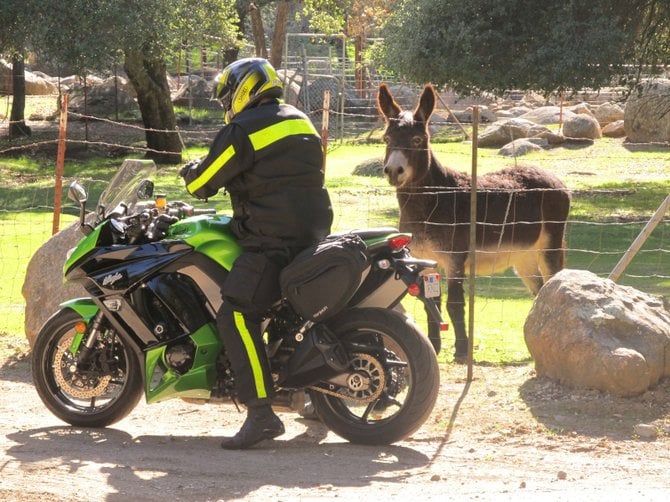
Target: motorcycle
154,271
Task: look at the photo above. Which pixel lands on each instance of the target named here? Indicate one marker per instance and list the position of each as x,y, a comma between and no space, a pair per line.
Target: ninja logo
110,279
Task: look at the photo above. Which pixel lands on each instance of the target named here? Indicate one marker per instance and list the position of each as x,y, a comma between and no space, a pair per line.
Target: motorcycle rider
268,157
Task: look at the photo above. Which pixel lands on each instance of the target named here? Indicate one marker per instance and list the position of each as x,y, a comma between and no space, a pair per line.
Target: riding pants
251,287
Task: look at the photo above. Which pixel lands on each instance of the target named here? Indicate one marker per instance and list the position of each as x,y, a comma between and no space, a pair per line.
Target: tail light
414,289
399,241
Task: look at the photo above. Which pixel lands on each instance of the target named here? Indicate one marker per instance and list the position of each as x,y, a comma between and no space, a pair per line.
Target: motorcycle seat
369,233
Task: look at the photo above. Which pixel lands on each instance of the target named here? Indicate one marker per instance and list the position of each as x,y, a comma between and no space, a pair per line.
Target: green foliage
98,31
488,45
326,16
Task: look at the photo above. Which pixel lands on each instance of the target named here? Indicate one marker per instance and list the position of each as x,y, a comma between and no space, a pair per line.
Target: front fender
87,309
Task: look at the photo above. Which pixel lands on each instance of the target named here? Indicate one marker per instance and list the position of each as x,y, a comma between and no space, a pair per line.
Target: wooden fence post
60,161
640,240
473,240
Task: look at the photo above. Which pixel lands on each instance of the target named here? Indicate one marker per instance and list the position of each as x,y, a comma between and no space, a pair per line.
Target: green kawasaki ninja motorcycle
154,272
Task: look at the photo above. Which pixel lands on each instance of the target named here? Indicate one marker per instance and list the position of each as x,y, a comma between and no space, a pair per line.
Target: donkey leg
456,310
527,267
552,258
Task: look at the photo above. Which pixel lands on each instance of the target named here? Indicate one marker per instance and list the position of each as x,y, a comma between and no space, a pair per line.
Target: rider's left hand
187,167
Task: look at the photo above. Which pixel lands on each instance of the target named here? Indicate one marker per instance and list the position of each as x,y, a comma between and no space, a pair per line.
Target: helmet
244,83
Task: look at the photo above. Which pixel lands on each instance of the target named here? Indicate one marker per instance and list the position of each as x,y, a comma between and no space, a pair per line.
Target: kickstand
236,405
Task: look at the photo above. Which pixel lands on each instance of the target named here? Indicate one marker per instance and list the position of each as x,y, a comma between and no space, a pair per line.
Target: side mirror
145,190
77,193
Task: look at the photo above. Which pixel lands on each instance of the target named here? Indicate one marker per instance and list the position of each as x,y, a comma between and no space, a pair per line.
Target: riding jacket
269,159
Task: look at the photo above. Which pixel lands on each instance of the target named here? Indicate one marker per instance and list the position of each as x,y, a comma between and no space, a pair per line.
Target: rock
518,111
102,97
588,332
646,117
370,167
503,115
552,138
36,84
43,287
614,129
582,126
503,131
608,113
581,108
548,115
646,431
523,146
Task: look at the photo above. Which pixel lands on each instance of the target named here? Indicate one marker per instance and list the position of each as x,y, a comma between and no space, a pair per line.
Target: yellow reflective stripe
253,356
214,167
292,127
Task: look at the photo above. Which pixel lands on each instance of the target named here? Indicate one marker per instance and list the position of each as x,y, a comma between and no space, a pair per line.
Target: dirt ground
507,435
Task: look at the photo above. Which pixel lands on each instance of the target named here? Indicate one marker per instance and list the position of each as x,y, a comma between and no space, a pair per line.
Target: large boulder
589,332
103,97
36,85
502,132
646,117
582,126
548,115
523,146
608,113
43,287
614,129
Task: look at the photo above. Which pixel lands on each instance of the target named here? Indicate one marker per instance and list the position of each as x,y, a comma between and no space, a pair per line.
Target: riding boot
261,423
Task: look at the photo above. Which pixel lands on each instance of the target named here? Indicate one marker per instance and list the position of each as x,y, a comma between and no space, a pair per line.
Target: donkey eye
417,141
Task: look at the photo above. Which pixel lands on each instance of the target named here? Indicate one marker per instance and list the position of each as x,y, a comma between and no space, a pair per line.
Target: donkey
521,211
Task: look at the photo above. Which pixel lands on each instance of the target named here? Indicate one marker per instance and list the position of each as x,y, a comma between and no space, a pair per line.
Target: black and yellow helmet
244,83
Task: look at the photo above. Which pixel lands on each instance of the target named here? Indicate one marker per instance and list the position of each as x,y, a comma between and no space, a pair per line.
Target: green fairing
83,246
209,235
195,383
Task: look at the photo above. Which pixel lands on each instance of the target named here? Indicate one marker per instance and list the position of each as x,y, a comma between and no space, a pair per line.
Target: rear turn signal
399,241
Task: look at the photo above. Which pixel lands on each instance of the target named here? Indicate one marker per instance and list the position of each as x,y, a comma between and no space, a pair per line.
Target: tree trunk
148,74
17,124
277,49
258,31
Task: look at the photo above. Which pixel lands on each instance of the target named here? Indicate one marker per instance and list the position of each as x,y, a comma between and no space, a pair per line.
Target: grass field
615,189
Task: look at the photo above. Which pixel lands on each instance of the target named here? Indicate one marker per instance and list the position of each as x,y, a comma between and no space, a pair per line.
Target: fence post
473,240
640,240
60,160
324,125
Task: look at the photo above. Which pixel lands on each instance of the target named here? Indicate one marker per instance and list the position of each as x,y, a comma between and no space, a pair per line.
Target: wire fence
614,193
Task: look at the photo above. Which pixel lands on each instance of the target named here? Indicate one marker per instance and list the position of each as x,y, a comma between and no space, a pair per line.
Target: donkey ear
426,104
386,104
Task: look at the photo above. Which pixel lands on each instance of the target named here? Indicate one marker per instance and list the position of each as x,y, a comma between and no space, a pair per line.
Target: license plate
431,285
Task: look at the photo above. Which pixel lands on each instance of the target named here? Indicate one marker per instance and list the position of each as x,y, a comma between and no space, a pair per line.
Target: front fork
86,349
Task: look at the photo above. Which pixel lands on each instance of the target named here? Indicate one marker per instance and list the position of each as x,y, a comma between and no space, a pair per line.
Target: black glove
158,228
187,167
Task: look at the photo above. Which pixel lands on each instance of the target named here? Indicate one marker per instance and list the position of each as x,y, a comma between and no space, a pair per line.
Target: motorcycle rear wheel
96,398
409,375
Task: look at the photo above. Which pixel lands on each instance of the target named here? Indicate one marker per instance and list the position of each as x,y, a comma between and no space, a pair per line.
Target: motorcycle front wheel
97,393
393,383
